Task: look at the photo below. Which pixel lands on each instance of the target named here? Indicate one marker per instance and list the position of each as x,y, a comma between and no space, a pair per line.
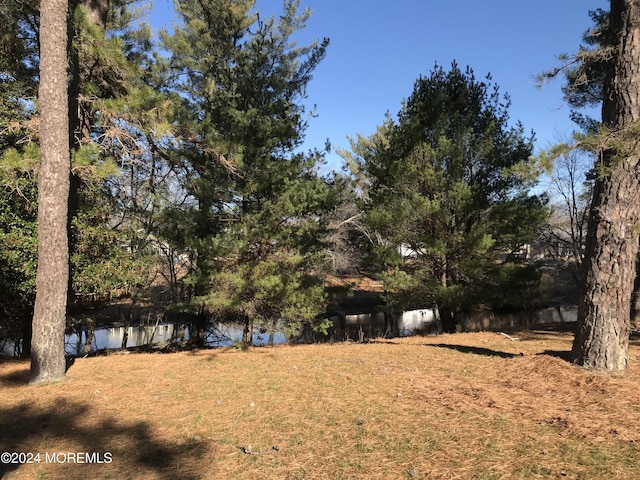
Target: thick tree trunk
602,338
49,318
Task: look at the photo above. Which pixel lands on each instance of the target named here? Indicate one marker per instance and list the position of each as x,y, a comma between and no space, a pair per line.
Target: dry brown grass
466,406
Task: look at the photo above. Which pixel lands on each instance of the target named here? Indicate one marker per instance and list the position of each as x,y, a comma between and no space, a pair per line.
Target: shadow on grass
69,426
561,354
487,352
18,378
556,327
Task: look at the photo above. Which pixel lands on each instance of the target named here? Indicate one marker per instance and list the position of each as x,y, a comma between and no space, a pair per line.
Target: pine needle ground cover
467,406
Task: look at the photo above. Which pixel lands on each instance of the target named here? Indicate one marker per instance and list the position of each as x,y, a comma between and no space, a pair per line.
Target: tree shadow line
131,447
16,378
487,352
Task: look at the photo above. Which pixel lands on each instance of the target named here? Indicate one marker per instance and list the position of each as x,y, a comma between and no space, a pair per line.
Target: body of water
217,335
349,327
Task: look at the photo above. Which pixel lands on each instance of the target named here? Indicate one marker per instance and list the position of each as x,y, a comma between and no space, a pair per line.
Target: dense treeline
188,175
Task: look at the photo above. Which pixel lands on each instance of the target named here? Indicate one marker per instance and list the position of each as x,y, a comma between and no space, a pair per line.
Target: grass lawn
465,406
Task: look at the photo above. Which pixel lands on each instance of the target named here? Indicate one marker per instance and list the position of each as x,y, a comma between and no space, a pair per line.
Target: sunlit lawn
467,406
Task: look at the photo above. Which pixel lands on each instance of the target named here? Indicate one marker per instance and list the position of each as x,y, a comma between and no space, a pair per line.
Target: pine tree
606,71
447,185
255,201
602,338
106,87
49,318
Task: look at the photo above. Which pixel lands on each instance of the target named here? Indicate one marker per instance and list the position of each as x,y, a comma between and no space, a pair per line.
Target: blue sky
380,48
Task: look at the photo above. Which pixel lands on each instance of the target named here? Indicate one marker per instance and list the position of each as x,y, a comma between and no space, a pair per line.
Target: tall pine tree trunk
49,318
602,338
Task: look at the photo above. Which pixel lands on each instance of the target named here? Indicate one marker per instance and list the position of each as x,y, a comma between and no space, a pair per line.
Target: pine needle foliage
252,219
448,184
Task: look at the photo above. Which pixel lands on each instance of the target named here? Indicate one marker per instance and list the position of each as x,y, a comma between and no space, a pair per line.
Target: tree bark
247,332
49,318
602,337
91,333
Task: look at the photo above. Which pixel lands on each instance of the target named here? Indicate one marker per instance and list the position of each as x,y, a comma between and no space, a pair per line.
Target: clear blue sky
380,47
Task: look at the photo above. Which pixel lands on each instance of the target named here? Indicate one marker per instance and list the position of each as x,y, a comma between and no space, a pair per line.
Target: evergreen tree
49,317
105,83
18,252
254,200
447,187
586,71
18,197
603,72
18,70
602,337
